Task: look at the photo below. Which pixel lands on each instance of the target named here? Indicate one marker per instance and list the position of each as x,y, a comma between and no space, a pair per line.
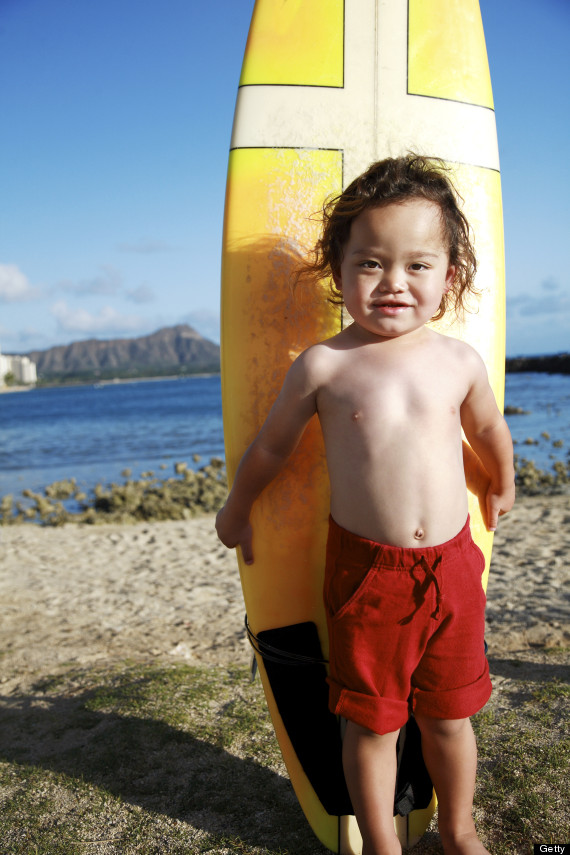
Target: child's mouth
392,308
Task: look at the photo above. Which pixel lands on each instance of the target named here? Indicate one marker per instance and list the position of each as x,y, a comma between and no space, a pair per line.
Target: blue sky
116,120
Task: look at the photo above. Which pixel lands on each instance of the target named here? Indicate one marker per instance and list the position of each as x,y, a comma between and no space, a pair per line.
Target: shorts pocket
345,585
479,560
477,569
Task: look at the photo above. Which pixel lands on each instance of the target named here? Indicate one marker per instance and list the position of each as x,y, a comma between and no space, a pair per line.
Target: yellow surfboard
328,87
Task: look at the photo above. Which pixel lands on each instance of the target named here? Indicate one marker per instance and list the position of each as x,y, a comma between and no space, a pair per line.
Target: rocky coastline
558,363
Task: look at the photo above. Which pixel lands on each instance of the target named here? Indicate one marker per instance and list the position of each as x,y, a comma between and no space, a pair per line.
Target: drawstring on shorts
430,577
430,572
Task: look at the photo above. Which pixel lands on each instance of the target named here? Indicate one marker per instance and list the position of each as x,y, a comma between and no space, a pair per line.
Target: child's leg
370,769
450,755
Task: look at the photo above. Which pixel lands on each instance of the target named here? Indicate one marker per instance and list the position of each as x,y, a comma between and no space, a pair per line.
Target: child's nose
392,281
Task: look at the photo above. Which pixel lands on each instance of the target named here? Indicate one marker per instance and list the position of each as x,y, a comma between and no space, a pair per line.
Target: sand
79,595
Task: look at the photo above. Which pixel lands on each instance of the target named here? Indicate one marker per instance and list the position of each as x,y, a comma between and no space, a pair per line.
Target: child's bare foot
463,844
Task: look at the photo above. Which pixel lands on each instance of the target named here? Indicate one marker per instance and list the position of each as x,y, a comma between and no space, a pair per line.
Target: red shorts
406,630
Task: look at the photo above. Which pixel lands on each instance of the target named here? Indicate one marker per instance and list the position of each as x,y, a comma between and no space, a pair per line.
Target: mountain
172,350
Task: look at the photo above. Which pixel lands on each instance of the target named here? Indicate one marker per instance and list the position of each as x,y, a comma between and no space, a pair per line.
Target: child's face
395,268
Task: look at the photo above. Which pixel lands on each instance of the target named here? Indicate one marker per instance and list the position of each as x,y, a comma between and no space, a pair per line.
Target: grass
144,759
524,758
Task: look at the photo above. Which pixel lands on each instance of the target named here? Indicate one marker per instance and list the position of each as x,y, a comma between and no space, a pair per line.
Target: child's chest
393,397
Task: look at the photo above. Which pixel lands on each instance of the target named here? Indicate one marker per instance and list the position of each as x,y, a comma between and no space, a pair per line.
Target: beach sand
79,595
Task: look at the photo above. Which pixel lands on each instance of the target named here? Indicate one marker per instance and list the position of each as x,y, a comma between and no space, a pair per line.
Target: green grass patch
524,758
146,758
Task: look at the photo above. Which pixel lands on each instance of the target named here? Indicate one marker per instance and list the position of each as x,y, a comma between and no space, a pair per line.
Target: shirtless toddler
392,396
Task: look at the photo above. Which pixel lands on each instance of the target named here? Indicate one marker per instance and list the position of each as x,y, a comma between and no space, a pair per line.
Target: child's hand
498,503
234,532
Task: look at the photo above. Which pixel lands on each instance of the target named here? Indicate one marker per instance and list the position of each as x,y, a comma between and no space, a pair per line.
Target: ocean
94,433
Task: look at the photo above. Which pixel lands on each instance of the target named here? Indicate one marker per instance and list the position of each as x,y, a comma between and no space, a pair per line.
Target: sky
116,120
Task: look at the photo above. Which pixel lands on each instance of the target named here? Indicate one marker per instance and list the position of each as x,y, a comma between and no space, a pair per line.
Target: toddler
403,594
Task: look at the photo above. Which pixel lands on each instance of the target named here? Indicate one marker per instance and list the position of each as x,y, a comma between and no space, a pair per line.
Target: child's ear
450,277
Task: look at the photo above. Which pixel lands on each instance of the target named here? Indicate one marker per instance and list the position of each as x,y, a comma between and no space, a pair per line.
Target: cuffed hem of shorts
453,703
381,715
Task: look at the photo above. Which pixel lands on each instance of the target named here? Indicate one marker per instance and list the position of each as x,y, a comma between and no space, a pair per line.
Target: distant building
21,367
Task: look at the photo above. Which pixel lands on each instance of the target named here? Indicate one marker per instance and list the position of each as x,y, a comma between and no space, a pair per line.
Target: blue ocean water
94,433
545,398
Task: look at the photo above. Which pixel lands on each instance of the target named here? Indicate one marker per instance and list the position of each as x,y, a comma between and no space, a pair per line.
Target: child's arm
267,455
490,438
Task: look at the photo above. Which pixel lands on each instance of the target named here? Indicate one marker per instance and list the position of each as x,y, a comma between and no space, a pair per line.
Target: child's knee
439,727
357,732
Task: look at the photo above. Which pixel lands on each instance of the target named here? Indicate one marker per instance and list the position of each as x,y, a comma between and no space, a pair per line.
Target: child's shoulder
456,346
464,355
312,365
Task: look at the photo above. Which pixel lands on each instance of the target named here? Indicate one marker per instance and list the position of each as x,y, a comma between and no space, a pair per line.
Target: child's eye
417,265
370,265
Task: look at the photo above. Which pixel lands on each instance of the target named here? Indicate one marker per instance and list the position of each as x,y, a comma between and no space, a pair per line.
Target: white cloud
553,302
106,284
206,322
25,340
142,294
107,322
539,321
14,285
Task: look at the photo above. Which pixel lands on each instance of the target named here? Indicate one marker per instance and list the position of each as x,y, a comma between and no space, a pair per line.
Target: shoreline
120,380
557,363
6,389
107,382
189,492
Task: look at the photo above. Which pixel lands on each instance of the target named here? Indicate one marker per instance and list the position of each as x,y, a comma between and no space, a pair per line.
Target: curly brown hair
386,182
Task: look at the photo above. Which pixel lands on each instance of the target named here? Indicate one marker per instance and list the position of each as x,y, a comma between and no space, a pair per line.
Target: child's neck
407,339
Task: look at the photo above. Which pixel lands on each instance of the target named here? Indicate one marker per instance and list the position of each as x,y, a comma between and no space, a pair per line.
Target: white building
23,369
